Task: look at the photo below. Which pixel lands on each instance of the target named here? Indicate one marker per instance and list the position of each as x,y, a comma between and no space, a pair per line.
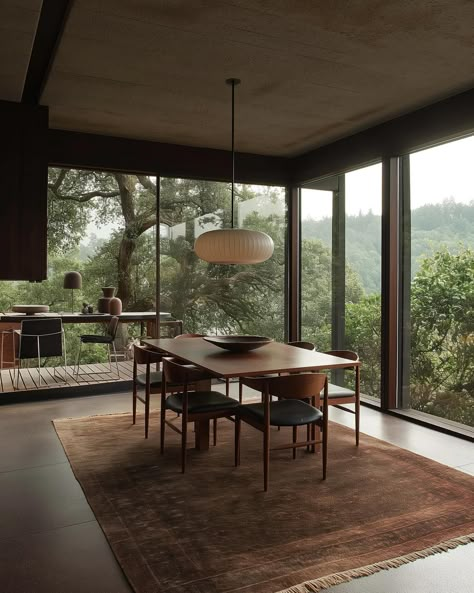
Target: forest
104,225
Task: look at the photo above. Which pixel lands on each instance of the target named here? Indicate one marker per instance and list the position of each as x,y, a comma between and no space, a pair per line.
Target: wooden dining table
271,358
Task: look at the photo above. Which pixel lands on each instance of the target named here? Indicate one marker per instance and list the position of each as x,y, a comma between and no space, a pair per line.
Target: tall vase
103,304
115,306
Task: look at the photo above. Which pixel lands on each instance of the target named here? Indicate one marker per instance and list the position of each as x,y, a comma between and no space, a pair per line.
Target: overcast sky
435,174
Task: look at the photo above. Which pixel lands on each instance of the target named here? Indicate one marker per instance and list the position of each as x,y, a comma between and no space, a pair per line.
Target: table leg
201,428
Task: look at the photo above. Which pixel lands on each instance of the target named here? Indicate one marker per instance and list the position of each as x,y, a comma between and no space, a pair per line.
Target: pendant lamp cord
233,159
233,82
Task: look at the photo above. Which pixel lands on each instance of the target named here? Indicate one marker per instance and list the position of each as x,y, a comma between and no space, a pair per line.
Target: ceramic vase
103,305
115,306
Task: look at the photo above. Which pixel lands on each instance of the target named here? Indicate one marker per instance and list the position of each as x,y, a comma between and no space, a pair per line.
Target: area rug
214,530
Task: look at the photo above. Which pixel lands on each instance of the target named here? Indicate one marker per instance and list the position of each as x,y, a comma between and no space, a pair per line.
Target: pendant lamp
233,246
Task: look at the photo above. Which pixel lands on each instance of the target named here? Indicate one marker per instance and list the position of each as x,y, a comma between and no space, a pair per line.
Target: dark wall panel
441,121
23,192
74,149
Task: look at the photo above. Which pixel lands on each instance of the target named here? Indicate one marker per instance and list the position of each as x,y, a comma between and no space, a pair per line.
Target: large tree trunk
124,273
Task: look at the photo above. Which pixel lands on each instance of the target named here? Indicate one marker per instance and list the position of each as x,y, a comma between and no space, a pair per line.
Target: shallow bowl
238,343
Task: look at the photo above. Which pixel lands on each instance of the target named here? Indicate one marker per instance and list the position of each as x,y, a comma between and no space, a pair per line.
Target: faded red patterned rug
214,530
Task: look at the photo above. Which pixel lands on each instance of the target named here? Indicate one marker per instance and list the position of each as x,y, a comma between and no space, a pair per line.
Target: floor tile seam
27,534
30,467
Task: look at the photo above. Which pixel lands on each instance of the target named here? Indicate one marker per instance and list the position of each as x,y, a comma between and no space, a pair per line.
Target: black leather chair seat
338,391
201,402
91,339
287,412
156,378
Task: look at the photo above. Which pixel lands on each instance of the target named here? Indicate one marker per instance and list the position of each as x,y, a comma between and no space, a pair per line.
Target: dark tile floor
50,541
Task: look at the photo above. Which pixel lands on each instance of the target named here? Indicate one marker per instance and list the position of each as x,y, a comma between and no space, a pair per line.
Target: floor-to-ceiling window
438,360
102,225
215,298
341,267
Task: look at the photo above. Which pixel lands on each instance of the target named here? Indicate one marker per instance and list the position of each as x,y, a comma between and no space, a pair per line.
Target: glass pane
441,378
221,299
341,269
102,225
316,267
363,192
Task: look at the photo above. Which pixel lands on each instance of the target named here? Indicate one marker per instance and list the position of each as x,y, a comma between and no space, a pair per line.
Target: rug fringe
364,571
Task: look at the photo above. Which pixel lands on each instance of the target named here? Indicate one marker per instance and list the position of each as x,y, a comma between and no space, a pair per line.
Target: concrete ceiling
311,71
18,21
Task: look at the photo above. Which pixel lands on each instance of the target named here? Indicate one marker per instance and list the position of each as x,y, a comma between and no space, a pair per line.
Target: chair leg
214,430
295,436
78,359
325,450
238,423
162,423
147,411
313,438
184,427
357,405
266,458
116,362
134,403
240,392
308,436
110,358
227,387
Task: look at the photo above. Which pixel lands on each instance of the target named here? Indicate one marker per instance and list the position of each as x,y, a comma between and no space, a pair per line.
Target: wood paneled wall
23,191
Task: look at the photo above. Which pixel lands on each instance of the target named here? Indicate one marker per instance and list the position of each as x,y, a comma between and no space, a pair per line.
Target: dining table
271,358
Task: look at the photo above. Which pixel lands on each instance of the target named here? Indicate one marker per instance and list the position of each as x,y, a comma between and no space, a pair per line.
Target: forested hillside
448,223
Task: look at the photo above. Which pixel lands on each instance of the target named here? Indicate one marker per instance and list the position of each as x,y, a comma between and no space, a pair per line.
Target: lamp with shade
233,246
72,281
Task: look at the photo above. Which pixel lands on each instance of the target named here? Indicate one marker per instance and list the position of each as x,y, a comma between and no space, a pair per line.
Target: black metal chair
289,410
107,339
41,338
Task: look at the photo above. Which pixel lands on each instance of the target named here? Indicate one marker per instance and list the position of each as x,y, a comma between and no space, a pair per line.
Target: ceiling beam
51,23
446,120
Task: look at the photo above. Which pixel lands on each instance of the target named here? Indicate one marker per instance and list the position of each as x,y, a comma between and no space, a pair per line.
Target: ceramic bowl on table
30,309
238,343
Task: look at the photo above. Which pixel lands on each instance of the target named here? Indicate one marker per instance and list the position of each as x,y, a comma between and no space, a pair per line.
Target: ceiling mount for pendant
234,246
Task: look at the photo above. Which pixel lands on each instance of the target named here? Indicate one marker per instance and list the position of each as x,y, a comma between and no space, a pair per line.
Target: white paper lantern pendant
234,246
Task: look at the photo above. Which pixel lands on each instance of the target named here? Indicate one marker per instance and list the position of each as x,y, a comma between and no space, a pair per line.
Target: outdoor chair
107,339
192,406
41,338
289,411
338,396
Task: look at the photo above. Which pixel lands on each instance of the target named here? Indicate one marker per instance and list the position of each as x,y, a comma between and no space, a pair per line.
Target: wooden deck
90,374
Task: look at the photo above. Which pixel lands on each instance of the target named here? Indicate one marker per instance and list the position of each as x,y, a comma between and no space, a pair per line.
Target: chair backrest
304,345
175,372
142,355
189,336
302,386
349,354
112,327
43,334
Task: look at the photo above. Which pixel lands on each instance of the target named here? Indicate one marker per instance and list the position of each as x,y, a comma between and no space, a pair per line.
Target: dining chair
297,344
288,411
193,406
227,381
107,339
338,395
41,338
151,381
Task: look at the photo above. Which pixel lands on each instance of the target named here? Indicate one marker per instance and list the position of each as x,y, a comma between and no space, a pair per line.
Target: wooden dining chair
227,381
338,396
289,410
297,344
151,381
193,406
